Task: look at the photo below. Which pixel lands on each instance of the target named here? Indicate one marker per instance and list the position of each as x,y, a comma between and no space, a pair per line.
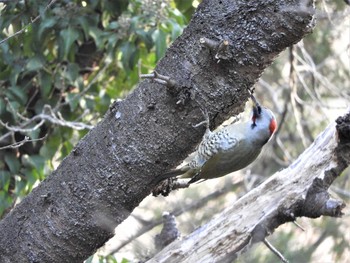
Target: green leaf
5,73
20,186
91,29
45,82
5,177
128,50
112,40
93,3
16,93
34,161
5,202
27,45
34,134
185,7
72,72
146,37
2,106
112,25
67,147
12,162
38,174
45,24
34,63
115,7
159,38
96,34
6,55
176,29
73,101
68,37
51,146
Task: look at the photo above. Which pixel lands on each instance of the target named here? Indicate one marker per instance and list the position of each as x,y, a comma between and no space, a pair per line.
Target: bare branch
275,251
159,78
23,130
47,115
294,97
20,143
340,191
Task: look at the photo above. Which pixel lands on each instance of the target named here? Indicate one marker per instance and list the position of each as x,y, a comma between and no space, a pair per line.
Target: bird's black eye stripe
255,112
259,109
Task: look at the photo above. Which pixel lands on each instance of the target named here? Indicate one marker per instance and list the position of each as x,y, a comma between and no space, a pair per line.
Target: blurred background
63,62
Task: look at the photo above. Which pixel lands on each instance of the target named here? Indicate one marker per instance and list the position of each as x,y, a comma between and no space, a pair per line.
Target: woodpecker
229,149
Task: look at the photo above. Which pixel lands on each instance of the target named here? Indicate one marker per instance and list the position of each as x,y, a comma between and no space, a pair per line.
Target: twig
23,130
340,191
20,143
221,48
14,112
275,251
32,22
210,43
159,78
293,88
298,225
46,115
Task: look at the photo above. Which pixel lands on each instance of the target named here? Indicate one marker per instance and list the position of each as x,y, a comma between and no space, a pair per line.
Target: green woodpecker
229,149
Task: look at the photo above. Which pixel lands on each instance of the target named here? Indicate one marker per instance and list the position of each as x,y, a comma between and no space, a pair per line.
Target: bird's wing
213,166
206,169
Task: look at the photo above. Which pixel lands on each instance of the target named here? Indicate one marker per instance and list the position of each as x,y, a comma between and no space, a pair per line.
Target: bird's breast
230,161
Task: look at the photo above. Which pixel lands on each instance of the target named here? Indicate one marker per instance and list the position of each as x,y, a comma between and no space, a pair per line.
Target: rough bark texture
299,190
72,213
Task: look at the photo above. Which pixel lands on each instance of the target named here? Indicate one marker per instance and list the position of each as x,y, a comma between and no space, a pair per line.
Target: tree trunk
75,210
299,190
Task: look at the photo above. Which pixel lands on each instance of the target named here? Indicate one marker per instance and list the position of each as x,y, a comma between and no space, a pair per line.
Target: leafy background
71,59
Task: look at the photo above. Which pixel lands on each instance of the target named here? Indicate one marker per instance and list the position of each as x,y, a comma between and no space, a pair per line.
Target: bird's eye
259,109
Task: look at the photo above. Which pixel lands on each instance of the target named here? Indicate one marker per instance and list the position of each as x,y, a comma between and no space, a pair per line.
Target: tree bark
299,190
75,210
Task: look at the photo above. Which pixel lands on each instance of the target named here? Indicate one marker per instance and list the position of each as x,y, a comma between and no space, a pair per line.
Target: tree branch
47,115
20,143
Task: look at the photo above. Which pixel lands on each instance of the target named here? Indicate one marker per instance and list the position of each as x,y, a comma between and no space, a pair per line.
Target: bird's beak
256,108
255,102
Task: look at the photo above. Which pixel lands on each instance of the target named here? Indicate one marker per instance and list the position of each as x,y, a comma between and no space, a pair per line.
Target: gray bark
74,211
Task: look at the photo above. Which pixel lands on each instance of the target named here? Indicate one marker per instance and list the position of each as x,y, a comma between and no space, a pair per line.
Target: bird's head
263,118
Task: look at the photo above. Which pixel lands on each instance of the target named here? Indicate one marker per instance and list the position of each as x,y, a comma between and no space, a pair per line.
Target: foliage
69,65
